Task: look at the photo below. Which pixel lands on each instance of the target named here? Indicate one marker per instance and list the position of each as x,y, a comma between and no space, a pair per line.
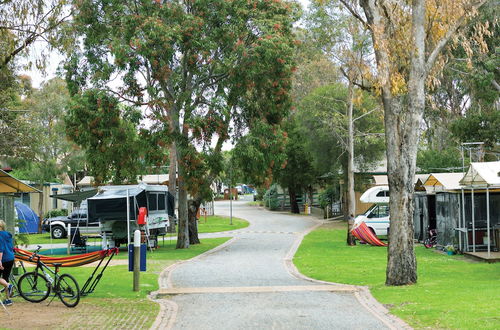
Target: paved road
247,285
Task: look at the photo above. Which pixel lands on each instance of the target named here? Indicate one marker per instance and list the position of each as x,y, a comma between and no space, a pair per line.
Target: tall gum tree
195,65
408,38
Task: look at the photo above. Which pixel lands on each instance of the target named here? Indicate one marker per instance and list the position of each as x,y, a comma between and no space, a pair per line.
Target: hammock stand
75,261
364,234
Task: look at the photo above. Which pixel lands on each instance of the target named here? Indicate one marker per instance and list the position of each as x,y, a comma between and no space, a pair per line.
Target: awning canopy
9,184
482,174
77,196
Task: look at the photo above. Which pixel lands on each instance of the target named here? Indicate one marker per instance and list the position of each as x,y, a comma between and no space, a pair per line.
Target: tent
29,219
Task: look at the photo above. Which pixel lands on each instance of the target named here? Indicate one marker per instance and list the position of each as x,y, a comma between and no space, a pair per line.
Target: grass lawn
114,297
452,292
217,223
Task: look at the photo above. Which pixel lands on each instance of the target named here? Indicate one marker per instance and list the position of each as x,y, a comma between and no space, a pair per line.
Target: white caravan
377,216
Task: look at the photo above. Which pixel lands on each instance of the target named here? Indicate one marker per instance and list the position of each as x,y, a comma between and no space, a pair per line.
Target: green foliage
261,153
447,160
322,115
107,133
478,127
328,196
56,213
271,198
435,302
297,173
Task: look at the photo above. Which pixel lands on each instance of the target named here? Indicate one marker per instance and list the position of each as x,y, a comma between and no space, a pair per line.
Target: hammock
364,234
70,261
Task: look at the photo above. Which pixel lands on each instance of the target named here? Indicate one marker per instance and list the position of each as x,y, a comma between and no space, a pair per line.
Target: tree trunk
172,170
293,200
183,231
193,207
401,162
351,196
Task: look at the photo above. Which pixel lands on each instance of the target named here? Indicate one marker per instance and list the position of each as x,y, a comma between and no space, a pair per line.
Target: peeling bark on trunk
293,200
193,207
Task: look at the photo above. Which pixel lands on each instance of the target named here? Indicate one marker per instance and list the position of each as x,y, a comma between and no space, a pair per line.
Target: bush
56,213
271,198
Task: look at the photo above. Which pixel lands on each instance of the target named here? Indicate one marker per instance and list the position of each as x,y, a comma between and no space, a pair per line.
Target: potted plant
450,249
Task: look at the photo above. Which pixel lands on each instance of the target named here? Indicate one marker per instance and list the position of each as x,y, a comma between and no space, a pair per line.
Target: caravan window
383,193
161,201
153,201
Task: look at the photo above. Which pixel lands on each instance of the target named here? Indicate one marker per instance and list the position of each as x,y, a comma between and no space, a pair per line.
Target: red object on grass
364,234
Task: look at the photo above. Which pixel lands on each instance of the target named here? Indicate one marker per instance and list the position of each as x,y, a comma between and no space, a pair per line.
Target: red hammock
70,261
364,234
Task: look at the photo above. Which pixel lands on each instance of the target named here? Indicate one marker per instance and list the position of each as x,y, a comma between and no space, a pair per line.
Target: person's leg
7,268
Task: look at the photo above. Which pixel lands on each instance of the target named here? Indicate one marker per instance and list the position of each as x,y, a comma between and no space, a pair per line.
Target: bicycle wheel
68,290
33,287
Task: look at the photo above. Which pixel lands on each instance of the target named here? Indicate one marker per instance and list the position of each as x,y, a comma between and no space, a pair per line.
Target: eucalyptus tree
408,39
195,65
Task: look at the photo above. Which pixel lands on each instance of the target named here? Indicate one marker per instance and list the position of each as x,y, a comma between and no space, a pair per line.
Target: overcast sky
56,58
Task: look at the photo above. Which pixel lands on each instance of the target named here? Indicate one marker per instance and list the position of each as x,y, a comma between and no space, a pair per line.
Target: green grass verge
218,223
452,292
213,224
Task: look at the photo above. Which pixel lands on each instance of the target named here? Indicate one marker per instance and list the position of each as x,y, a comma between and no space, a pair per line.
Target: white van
377,216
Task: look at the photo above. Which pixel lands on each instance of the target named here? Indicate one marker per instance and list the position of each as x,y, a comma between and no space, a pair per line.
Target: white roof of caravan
154,178
482,174
382,180
149,179
370,196
443,181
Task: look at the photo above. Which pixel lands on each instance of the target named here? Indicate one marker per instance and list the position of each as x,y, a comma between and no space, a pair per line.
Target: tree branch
355,14
444,40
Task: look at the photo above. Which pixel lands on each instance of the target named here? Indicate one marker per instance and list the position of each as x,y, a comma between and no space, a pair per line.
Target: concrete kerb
168,309
362,293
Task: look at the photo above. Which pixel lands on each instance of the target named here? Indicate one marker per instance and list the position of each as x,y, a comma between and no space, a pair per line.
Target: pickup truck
57,226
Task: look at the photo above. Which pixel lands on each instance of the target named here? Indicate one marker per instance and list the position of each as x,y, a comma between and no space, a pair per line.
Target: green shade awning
77,196
9,184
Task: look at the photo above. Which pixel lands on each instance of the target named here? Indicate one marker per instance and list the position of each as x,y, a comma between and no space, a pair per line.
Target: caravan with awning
118,215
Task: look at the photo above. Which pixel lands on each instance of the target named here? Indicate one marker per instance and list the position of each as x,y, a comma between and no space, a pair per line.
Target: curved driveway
247,285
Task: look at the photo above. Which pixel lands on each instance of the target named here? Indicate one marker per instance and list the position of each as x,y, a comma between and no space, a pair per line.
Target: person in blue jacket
6,261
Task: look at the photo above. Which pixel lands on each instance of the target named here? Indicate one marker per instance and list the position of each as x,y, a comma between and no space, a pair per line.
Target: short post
69,238
137,258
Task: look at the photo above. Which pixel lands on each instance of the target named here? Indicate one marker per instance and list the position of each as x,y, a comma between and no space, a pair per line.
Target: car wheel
58,232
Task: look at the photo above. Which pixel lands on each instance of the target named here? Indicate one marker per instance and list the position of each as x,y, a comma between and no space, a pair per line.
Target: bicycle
431,241
37,285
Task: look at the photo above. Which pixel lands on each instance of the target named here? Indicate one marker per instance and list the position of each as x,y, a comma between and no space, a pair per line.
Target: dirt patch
90,313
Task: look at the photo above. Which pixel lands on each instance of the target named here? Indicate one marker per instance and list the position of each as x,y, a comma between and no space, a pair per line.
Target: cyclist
6,261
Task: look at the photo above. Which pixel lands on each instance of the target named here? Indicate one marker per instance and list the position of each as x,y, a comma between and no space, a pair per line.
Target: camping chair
78,242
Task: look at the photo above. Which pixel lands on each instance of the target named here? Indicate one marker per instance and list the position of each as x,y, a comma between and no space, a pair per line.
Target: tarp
482,174
9,184
29,219
112,204
77,196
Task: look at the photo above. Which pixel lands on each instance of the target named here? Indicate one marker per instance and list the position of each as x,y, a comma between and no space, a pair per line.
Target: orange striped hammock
70,261
364,234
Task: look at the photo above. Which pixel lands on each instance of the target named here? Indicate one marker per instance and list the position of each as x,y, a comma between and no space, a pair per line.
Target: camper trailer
377,216
109,208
